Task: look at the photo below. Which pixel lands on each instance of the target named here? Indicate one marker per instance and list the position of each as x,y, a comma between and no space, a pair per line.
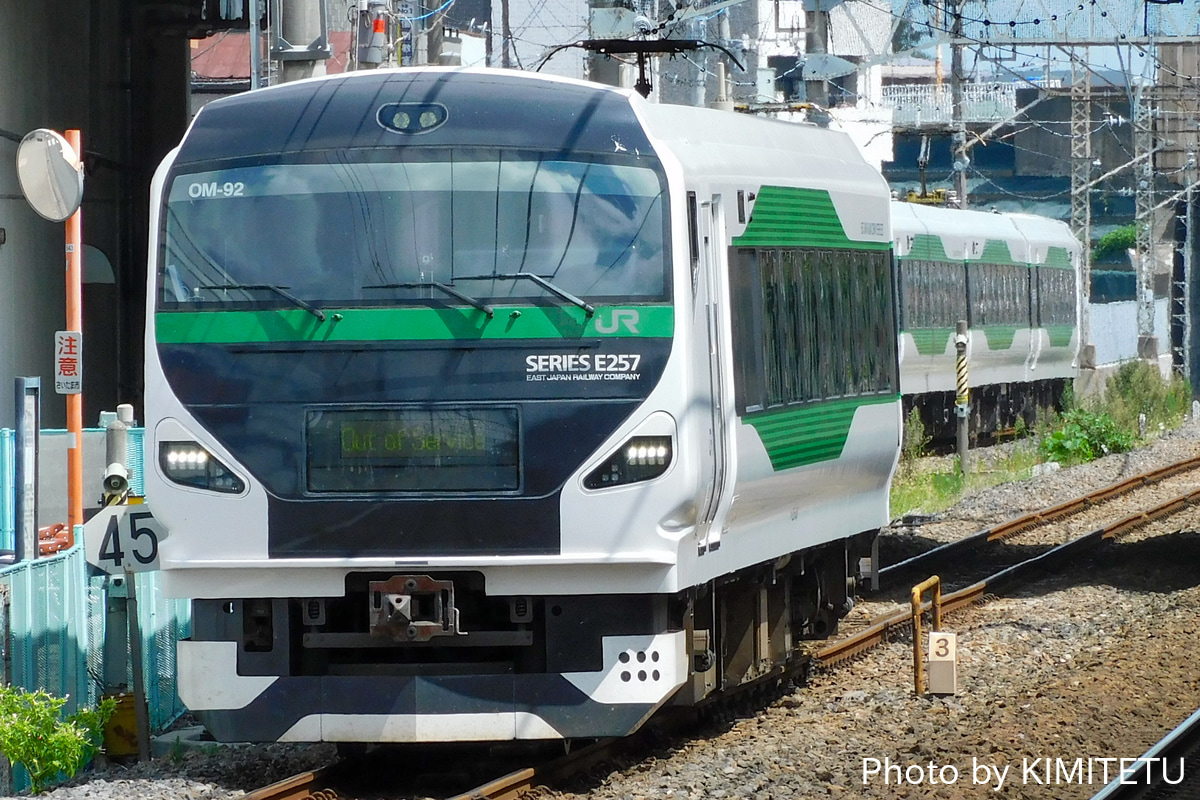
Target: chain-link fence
56,612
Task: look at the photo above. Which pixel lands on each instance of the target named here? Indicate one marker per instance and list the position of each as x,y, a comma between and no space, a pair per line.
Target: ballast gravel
1054,684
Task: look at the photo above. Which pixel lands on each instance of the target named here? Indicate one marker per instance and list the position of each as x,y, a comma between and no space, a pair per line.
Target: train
483,405
1014,279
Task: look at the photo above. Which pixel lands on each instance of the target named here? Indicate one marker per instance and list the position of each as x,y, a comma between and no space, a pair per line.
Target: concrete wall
55,76
1115,332
113,70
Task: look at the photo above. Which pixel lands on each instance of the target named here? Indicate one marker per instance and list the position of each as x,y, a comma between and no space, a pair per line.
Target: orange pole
75,323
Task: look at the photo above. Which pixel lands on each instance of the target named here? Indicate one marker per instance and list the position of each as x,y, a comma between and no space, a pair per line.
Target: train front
411,411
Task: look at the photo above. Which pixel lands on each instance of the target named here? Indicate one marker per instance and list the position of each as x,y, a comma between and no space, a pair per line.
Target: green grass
1135,398
932,484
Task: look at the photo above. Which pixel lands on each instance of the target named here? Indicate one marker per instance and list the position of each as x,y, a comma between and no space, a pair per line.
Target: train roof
486,108
503,108
934,233
740,147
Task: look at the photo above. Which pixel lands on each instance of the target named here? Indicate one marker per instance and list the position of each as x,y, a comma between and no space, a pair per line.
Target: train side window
934,292
1056,296
999,294
815,324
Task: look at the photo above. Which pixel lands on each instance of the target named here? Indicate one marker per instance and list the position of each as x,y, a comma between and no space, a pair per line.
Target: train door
710,229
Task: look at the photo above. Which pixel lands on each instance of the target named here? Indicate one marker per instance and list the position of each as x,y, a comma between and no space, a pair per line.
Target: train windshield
385,233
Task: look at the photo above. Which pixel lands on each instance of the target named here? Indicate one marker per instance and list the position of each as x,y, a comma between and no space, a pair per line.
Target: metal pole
816,39
935,583
1192,284
255,45
962,397
961,159
505,36
1081,205
75,323
27,432
1143,139
139,678
300,24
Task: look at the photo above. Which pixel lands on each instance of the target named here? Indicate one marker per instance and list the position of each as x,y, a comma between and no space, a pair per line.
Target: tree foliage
1116,241
34,733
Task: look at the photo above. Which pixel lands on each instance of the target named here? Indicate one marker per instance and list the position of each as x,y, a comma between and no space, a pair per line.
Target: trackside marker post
962,395
943,662
935,583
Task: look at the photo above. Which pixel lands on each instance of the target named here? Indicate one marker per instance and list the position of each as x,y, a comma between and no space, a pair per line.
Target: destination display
443,449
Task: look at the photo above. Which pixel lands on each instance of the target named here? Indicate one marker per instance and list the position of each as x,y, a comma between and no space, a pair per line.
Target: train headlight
639,459
189,464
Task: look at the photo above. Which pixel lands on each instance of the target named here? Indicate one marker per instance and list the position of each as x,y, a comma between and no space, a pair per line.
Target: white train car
1014,278
485,405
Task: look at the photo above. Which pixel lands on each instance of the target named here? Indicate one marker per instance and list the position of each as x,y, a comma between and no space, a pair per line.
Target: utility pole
959,137
505,36
255,46
301,42
371,38
816,38
435,38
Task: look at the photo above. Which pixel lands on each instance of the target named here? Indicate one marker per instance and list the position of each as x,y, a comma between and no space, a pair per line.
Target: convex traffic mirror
50,173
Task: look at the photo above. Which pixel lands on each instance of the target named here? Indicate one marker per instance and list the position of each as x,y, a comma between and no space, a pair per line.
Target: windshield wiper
270,287
450,290
588,308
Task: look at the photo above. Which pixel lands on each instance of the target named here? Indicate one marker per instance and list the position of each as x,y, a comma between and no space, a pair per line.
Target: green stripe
809,433
1060,335
1000,337
1058,257
996,251
786,216
930,341
926,247
408,324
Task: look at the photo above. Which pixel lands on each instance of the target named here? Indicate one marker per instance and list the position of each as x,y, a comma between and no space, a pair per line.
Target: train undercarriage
401,652
995,409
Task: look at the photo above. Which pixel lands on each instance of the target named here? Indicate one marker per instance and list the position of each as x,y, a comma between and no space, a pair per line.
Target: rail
1142,780
298,787
878,631
1025,522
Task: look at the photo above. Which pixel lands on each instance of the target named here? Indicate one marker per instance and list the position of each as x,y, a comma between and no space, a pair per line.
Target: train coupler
412,608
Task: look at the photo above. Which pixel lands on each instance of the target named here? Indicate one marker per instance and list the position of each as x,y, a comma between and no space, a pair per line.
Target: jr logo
626,317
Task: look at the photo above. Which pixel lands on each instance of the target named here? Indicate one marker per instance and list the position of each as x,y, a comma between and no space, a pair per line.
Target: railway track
331,782
305,786
1166,771
920,565
879,630
325,784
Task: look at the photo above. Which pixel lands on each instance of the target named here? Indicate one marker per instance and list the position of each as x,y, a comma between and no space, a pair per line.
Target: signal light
189,464
639,459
